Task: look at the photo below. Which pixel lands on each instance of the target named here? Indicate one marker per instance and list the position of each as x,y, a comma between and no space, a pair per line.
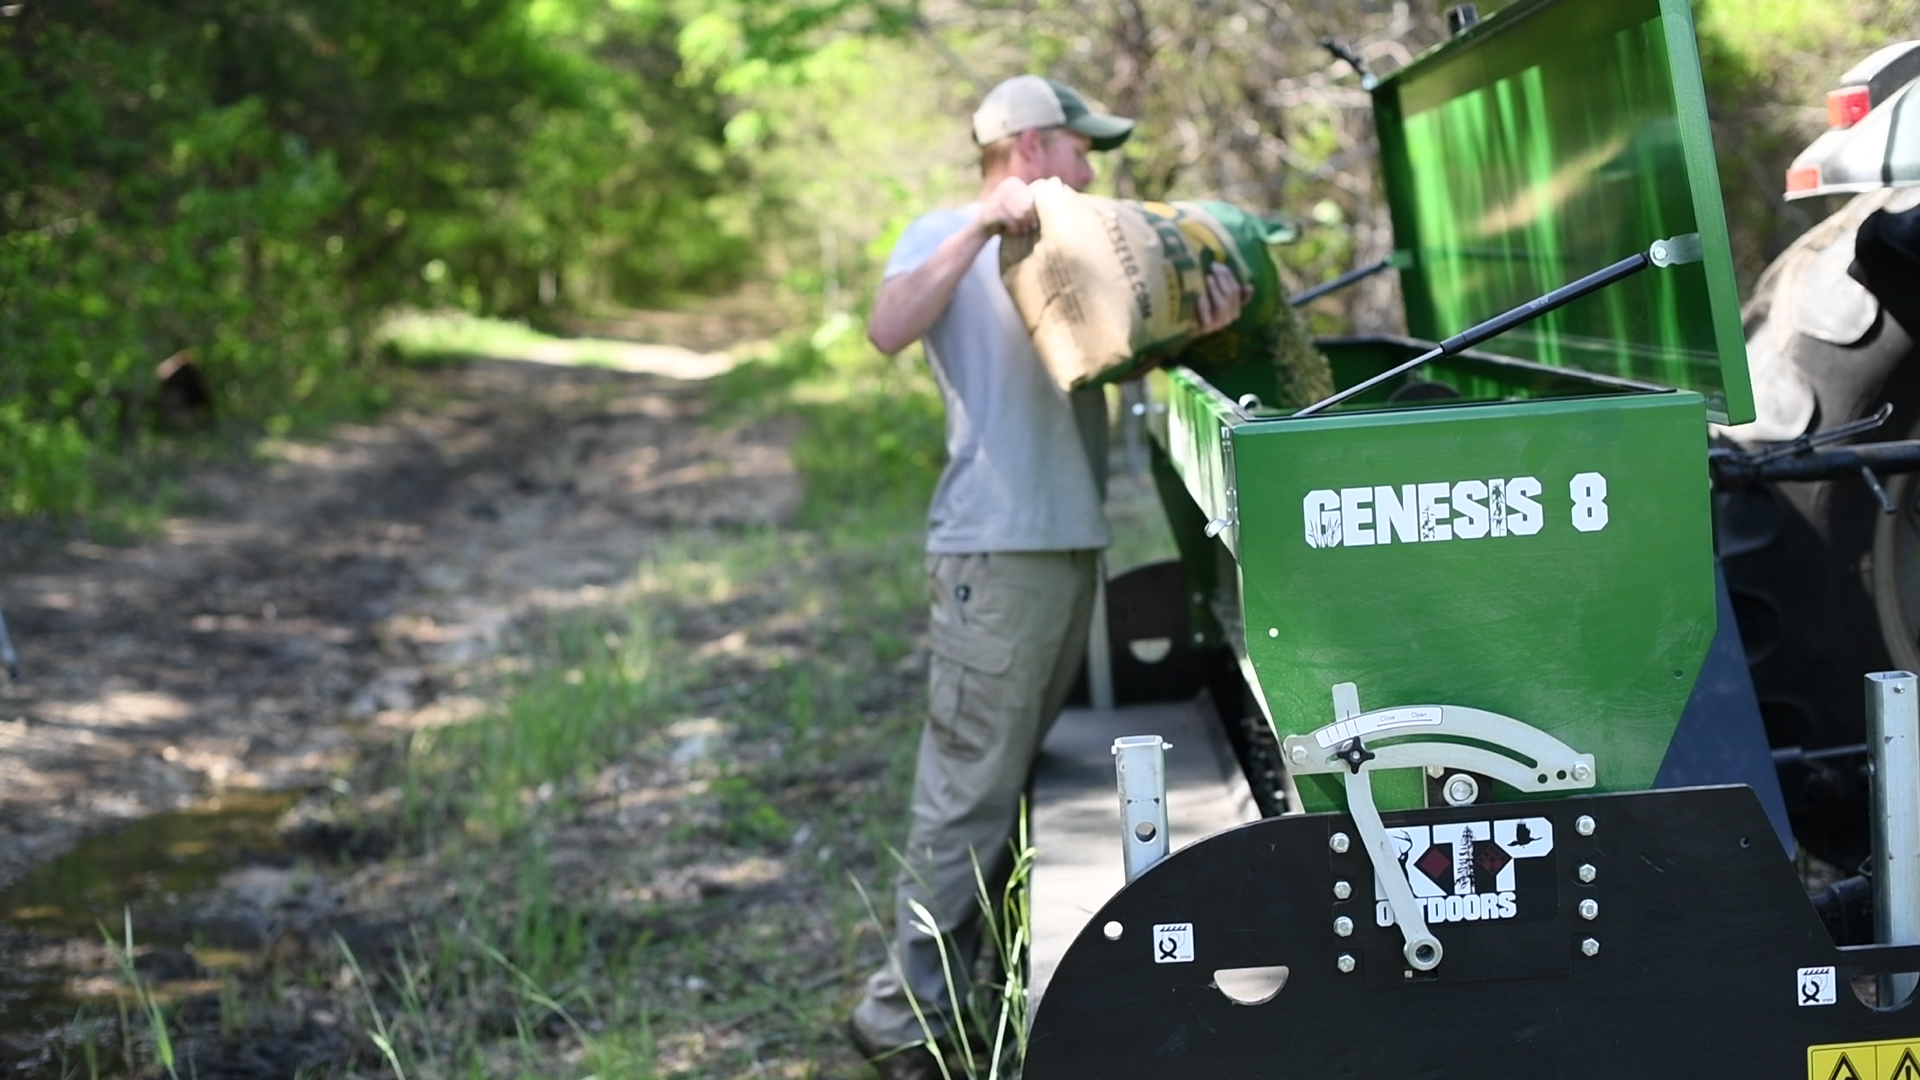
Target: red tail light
1848,107
1804,178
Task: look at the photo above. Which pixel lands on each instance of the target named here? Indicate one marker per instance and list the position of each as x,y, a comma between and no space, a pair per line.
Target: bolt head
1299,755
1199,638
1589,909
1583,825
1339,843
1343,926
1346,964
1436,771
1582,772
1342,890
1590,947
1587,873
1462,790
1273,631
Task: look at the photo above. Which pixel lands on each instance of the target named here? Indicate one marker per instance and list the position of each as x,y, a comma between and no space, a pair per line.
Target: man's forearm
908,305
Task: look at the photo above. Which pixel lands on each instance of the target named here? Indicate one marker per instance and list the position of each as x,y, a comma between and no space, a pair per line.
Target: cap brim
1107,132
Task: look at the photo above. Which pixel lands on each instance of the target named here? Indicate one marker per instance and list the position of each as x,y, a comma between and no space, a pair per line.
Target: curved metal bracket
1509,750
1451,736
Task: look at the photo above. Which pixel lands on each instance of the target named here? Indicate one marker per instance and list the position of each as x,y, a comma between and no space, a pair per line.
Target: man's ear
1032,143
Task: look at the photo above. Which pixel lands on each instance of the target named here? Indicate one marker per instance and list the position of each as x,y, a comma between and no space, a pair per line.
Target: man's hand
1222,299
1008,209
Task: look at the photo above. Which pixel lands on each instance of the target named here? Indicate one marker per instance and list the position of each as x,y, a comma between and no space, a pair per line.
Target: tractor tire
1825,586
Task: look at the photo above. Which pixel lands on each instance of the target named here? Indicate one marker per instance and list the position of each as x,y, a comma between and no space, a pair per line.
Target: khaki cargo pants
1009,631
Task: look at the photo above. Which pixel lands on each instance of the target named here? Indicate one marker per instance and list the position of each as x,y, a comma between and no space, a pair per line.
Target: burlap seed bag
1109,288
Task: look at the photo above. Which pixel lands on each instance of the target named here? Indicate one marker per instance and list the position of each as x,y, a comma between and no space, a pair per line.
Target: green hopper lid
1546,142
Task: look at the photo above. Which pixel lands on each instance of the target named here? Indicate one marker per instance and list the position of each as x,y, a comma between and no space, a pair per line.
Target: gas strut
1676,251
1301,299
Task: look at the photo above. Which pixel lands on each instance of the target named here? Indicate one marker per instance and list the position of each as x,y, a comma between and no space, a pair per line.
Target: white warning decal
1173,943
1817,985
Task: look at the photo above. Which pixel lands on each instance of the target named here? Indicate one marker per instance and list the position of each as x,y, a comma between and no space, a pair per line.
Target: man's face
1063,154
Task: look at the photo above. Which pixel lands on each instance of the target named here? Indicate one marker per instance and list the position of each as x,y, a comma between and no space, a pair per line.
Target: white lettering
1433,507
1589,491
1472,907
1526,517
1321,510
1522,838
1355,517
1438,511
1470,521
1398,510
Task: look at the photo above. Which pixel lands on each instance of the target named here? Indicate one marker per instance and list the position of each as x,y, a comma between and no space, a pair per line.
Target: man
1014,532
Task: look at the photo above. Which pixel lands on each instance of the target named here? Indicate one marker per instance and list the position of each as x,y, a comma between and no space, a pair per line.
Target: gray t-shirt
1025,460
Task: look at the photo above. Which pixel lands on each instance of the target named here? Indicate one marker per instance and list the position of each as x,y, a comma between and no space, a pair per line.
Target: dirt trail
308,603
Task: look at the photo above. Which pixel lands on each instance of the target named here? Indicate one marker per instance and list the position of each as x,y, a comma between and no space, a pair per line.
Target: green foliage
255,182
576,712
872,437
1768,66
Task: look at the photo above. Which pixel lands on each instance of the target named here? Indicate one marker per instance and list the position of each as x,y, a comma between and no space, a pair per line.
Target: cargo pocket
962,687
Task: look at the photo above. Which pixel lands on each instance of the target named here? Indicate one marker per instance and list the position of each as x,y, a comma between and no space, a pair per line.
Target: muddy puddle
213,893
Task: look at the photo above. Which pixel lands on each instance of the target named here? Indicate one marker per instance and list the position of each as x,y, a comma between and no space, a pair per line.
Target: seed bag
1110,288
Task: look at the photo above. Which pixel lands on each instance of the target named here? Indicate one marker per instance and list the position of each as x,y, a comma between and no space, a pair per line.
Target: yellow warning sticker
1897,1059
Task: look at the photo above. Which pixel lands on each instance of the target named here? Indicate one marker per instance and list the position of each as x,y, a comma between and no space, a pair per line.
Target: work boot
911,1062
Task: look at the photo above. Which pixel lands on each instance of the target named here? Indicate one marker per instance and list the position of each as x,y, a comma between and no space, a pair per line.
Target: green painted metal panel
1553,139
1588,618
1196,423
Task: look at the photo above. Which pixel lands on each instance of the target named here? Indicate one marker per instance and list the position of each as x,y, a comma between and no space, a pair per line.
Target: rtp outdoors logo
1476,871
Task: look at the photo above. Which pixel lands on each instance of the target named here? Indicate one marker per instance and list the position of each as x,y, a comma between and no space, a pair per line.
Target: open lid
1546,142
